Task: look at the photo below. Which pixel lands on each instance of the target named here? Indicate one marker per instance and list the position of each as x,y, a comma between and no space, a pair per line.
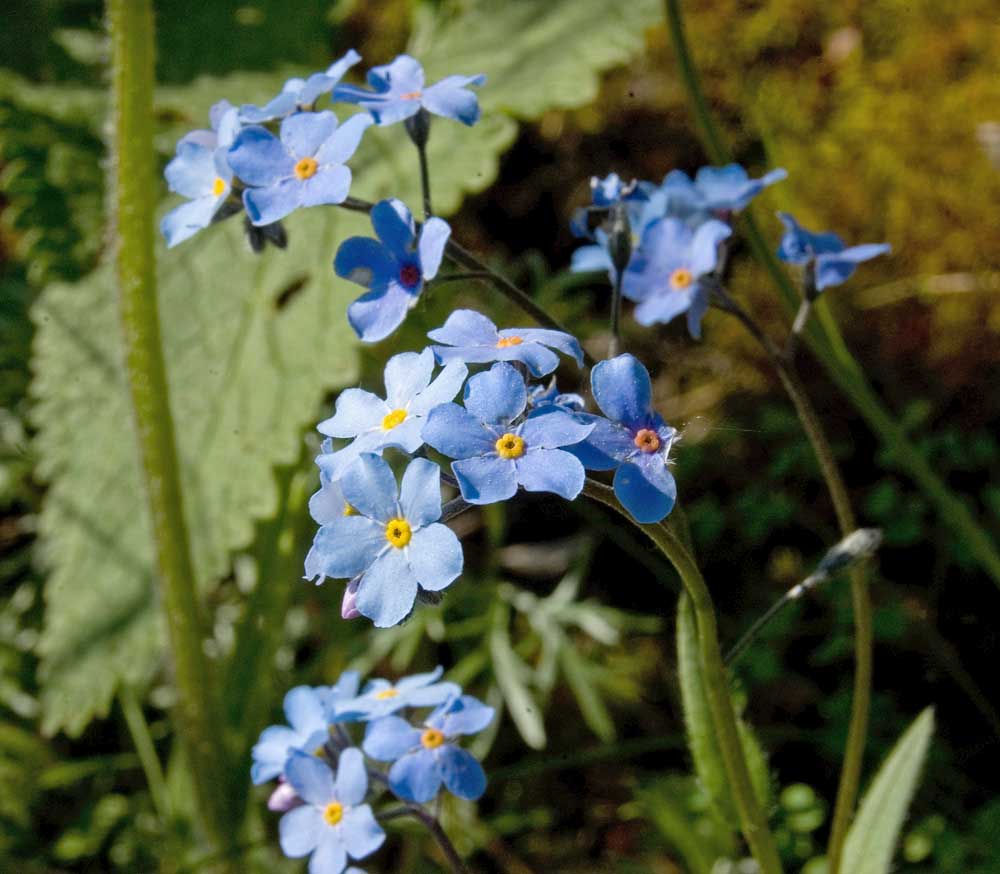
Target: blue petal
404,73
420,493
300,830
258,157
415,777
497,396
271,751
338,69
462,774
304,710
365,261
565,343
265,206
485,480
591,258
186,220
433,239
696,311
370,487
451,99
463,715
429,696
435,556
455,432
361,834
664,307
835,269
705,246
330,185
375,315
406,436
388,590
330,856
390,110
192,173
352,778
344,141
357,411
539,360
303,133
448,384
346,547
553,430
622,389
551,470
406,375
466,328
394,226
606,446
310,777
640,497
390,737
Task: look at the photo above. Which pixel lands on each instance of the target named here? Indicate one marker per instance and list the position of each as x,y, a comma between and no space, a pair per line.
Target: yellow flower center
432,738
306,168
393,419
507,342
218,186
349,510
411,95
648,441
680,279
398,532
333,813
510,446
386,694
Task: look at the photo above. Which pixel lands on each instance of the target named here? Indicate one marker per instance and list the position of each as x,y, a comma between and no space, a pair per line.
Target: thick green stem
753,820
134,188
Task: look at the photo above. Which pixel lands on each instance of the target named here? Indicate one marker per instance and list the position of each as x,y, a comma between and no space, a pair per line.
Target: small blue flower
424,759
305,167
474,339
643,205
399,92
200,172
393,541
382,698
333,824
396,421
393,270
730,188
300,94
664,275
833,261
541,397
495,452
634,441
603,194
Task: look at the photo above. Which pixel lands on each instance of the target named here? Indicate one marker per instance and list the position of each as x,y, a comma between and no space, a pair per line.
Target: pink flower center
409,275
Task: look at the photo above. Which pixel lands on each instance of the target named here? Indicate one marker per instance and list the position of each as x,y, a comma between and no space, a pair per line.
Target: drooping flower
633,440
393,541
832,261
200,171
474,339
300,94
665,275
392,268
305,167
425,758
398,92
382,698
495,451
333,824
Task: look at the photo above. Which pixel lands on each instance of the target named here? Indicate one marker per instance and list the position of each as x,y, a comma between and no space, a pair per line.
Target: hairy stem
753,820
134,187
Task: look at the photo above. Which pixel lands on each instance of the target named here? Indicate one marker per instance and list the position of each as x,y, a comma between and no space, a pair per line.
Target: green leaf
579,675
664,805
511,674
872,838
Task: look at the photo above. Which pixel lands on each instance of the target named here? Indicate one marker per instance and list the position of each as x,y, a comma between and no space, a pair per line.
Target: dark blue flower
333,824
832,261
425,758
300,94
382,698
399,92
633,440
392,268
474,339
392,540
495,451
305,167
200,172
665,274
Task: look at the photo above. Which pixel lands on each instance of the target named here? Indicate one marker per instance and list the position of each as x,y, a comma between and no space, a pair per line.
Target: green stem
753,820
146,751
134,201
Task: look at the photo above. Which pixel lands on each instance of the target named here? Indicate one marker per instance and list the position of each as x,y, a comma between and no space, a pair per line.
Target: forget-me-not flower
393,541
333,823
305,167
201,172
495,451
474,339
425,758
665,275
832,261
300,94
548,397
392,268
382,698
399,92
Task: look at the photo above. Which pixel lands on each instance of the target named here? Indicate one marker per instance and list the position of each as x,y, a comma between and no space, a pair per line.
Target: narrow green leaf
872,838
578,675
664,806
511,673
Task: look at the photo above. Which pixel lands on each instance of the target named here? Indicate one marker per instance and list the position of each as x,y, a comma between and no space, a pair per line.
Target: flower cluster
326,783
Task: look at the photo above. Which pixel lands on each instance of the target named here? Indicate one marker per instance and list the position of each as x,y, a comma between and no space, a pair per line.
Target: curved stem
455,861
753,820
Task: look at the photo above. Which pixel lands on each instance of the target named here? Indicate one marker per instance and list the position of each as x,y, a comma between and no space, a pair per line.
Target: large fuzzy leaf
252,343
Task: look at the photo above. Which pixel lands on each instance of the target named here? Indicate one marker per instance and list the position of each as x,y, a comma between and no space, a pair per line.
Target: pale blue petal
403,74
485,480
551,470
390,737
606,446
406,436
539,359
464,715
265,206
388,590
304,710
338,69
696,311
415,777
431,696
442,390
351,783
344,142
330,185
330,856
623,390
369,485
300,830
705,246
375,315
310,777
357,411
419,681
645,502
186,220
258,157
420,494
553,430
565,343
406,375
348,545
664,307
496,396
433,239
303,133
435,557
466,328
455,432
192,172
361,834
271,751
462,774
588,259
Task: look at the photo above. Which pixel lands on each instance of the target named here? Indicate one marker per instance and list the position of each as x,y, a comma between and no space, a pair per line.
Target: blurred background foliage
886,116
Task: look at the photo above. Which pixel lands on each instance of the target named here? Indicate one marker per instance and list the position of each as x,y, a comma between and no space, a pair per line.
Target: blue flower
393,270
541,397
833,261
393,542
300,94
664,275
333,824
200,172
634,441
473,338
493,454
643,205
305,167
603,194
396,421
399,92
382,698
730,188
424,759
